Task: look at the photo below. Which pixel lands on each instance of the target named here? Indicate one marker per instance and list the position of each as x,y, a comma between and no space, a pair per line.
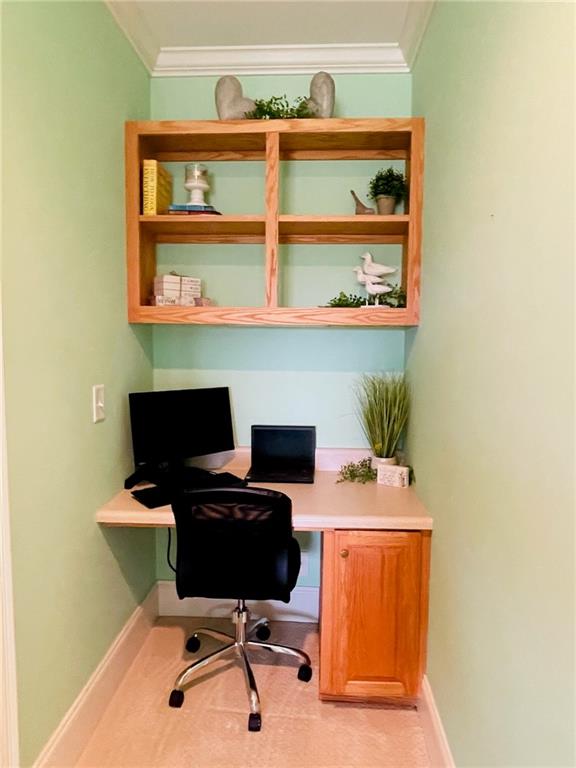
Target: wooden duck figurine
361,209
374,269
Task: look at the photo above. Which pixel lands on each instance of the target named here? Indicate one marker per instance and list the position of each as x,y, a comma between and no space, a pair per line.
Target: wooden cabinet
273,142
374,614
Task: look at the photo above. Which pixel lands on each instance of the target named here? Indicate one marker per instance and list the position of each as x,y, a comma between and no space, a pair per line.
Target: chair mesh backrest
236,543
223,510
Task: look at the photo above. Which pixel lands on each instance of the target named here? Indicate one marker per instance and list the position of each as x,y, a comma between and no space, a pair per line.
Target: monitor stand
151,473
211,461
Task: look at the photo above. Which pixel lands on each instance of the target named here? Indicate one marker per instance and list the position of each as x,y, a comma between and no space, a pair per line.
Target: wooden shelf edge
314,125
400,218
343,229
209,228
283,218
190,218
371,317
291,229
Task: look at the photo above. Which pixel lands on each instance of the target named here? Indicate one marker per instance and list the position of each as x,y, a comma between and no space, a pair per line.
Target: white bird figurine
373,269
363,278
376,290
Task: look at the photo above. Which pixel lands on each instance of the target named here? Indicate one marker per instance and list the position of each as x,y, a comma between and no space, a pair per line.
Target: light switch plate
98,412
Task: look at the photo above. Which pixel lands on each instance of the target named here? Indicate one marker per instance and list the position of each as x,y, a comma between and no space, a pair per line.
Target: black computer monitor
180,425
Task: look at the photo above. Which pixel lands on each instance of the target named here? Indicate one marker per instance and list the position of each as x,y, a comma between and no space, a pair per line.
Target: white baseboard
303,605
71,736
434,735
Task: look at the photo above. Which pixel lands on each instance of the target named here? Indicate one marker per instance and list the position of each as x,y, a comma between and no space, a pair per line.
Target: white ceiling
201,37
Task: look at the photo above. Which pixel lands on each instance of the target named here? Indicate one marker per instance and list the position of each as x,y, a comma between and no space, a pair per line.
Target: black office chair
236,543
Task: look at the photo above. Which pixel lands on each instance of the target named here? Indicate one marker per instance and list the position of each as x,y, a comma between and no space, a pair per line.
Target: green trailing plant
277,107
346,300
383,408
396,298
387,182
357,472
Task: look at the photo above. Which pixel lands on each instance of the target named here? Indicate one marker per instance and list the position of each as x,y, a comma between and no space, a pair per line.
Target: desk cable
168,549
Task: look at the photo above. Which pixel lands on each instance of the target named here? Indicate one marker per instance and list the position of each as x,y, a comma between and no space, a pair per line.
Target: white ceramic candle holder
196,183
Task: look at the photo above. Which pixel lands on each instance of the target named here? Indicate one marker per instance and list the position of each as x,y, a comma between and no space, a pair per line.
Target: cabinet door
374,613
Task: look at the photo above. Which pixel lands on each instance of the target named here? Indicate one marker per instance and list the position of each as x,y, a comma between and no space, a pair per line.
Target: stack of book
156,188
177,290
188,208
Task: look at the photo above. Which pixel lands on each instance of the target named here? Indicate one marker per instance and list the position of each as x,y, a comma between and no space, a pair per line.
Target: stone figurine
363,278
231,104
360,208
373,269
322,92
372,289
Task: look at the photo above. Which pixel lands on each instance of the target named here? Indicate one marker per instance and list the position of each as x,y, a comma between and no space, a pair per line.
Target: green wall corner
492,368
69,80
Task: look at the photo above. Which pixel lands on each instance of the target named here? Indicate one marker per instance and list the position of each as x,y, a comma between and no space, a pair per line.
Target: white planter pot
378,461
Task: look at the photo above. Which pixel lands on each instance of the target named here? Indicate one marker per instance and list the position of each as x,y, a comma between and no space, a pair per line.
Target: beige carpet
211,728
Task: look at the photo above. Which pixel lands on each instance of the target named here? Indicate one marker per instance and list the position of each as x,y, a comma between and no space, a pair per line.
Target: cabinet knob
344,553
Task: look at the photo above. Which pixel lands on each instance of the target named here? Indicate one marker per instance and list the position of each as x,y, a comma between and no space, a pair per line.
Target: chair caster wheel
176,699
254,722
192,644
305,673
263,632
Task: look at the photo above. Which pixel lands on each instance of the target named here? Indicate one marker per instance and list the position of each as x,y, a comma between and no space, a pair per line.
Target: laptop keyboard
280,476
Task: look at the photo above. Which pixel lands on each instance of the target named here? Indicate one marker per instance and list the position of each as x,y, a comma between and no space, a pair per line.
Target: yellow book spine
156,188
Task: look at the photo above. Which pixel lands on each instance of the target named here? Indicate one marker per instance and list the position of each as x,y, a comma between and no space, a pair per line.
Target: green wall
279,375
69,81
492,367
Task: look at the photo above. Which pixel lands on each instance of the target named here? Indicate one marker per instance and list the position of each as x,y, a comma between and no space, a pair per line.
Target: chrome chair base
237,646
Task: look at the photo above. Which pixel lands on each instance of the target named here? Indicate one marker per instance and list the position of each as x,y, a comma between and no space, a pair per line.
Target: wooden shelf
343,229
312,139
367,317
292,229
272,142
204,229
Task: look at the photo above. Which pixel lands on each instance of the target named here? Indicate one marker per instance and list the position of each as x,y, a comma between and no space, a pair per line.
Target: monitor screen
180,424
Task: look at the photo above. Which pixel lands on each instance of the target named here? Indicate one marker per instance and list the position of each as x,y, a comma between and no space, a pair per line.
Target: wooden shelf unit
273,141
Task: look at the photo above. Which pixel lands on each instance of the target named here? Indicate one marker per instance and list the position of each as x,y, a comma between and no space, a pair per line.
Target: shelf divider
271,194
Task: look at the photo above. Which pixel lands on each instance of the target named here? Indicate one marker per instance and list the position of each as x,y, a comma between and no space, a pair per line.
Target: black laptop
282,454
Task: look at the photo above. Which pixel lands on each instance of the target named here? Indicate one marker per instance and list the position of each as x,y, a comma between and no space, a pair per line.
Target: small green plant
346,300
277,107
383,407
396,298
357,472
387,182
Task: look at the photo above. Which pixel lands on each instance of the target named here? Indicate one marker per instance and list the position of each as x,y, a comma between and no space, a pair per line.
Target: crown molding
415,24
280,60
130,19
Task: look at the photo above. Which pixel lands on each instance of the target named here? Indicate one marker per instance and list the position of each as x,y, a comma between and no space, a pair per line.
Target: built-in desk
375,572
321,506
